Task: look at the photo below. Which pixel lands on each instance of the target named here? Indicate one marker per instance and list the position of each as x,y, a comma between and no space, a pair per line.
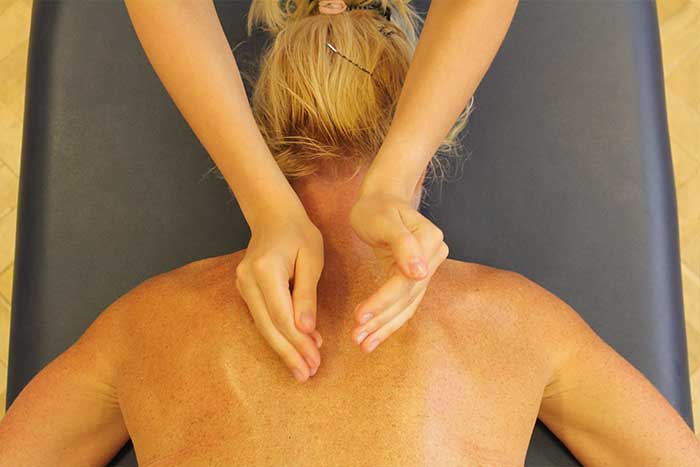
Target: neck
328,198
328,202
351,272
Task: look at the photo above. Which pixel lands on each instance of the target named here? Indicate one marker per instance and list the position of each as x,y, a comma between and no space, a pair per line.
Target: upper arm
606,411
69,414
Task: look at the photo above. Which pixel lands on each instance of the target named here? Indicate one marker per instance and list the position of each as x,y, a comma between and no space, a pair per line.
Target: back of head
318,109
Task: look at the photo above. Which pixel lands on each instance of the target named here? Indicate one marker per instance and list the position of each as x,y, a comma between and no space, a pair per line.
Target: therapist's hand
285,246
410,247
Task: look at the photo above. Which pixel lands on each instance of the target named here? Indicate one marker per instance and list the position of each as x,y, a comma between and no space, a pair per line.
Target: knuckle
404,237
278,319
260,266
241,271
287,326
445,250
438,234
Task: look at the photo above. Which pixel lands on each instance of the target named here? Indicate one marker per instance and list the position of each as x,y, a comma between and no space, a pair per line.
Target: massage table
567,179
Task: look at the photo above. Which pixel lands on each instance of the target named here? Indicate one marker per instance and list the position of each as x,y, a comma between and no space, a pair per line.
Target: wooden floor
14,34
680,43
680,36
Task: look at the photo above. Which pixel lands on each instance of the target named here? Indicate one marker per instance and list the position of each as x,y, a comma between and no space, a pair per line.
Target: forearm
456,47
188,49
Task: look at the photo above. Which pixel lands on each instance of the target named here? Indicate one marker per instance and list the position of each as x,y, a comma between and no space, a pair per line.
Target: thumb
307,273
406,248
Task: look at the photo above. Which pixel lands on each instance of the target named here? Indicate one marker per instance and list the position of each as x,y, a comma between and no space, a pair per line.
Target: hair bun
273,15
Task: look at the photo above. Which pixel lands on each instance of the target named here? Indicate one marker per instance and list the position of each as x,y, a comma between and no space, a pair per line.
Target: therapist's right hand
277,279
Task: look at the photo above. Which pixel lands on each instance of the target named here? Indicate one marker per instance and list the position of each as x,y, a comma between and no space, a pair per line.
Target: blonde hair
314,108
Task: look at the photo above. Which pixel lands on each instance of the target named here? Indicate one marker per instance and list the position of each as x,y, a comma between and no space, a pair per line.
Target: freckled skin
178,364
448,387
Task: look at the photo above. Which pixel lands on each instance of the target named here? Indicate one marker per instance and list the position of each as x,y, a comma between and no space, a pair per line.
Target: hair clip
386,31
376,5
346,58
338,6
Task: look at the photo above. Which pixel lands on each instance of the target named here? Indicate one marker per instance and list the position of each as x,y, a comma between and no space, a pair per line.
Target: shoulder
161,303
514,310
200,278
188,278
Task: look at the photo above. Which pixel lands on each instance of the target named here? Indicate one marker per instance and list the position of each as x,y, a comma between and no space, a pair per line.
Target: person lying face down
178,364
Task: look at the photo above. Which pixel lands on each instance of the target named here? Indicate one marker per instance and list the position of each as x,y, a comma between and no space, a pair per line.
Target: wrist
396,170
385,183
273,208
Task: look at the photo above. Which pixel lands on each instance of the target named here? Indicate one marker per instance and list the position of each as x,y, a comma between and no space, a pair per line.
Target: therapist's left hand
410,247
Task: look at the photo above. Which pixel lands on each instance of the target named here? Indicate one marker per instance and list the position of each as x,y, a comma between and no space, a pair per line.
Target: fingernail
418,267
307,319
310,362
372,344
298,374
361,336
318,341
366,317
314,370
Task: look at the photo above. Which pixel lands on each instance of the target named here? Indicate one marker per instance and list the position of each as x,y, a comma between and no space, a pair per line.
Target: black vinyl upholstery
568,181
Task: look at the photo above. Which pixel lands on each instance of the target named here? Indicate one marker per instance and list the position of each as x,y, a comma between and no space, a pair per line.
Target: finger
317,338
274,286
360,334
401,302
430,237
404,246
395,288
307,272
381,334
256,304
427,234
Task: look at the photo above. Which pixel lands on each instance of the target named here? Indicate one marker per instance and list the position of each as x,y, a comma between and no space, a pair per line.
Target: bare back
178,365
459,384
